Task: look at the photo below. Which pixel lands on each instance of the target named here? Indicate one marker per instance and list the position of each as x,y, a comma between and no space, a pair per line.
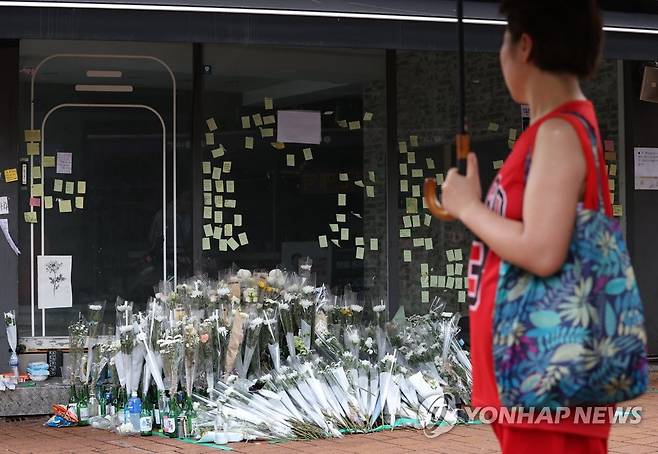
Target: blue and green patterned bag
577,337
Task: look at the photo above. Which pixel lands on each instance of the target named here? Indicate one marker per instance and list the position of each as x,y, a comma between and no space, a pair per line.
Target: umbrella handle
429,187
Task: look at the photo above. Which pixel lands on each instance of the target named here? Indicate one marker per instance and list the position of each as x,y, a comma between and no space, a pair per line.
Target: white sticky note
205,167
406,220
415,220
266,132
342,200
344,234
290,160
207,213
205,244
404,185
340,217
439,178
207,185
359,253
370,191
450,254
48,202
267,102
322,239
219,201
353,125
210,138
223,245
450,282
343,177
428,244
207,198
367,116
237,220
249,143
434,281
359,183
461,297
230,186
417,173
212,124
246,123
413,141
69,187
458,255
219,216
36,173
230,203
371,175
308,154
406,256
336,243
424,296
228,229
459,269
430,163
405,233
242,237
418,242
428,220
217,152
450,269
226,167
411,157
334,227
270,119
498,164
458,283
219,185
358,241
402,146
233,244
207,229
79,202
442,282
258,120
374,244
415,190
217,233
403,169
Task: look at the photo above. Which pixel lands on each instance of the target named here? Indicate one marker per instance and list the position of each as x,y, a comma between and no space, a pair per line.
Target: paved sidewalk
29,436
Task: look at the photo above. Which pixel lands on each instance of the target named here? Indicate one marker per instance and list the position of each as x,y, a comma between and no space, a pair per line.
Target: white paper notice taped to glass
646,168
4,225
54,286
298,126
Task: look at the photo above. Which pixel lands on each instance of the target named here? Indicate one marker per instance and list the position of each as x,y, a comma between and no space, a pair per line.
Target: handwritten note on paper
33,135
242,237
418,242
65,206
370,191
205,244
249,143
212,125
406,220
226,167
344,234
404,185
498,164
405,233
412,205
218,152
207,213
246,122
359,253
79,202
216,173
207,229
219,201
69,188
428,244
430,163
267,102
413,140
290,160
358,241
439,178
450,254
359,183
334,227
217,232
299,126
415,190
403,169
207,185
223,245
342,200
406,256
233,244
48,202
230,203
33,149
374,244
354,125
219,217
441,282
308,154
367,116
612,170
322,239
269,120
11,175
340,217
411,157
371,175
230,186
219,185
258,120
4,205
458,255
64,162
210,138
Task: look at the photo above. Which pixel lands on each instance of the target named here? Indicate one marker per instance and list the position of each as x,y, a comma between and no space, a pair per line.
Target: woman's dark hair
566,34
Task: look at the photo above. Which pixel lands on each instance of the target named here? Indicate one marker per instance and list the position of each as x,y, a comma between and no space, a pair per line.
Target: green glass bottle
83,407
156,400
170,416
121,405
146,419
102,403
73,400
191,415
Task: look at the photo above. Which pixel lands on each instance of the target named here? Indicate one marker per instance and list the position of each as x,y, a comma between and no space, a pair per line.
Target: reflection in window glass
267,202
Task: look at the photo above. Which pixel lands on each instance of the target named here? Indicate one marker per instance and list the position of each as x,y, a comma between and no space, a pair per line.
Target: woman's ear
525,47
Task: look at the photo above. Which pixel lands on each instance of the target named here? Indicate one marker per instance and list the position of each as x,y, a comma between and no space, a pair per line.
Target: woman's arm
540,243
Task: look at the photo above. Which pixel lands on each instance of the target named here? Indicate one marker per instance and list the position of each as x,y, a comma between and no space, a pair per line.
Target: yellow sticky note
359,253
493,127
207,185
359,183
230,186
342,200
223,245
268,103
411,157
69,188
233,244
226,167
258,120
207,213
367,116
404,186
428,244
353,125
278,145
617,210
450,282
402,146
82,187
212,125
216,173
428,220
450,254
458,255
207,198
237,220
612,170
419,242
406,220
65,206
80,202
374,244
230,203
412,205
219,217
37,190
407,255
450,269
611,184
217,233
228,229
58,185
246,122
210,138
30,217
413,141
269,119
429,162
405,233
266,132
439,178
11,175
344,234
308,154
403,169
417,173
242,237
343,176
207,229
370,191
48,202
205,244
217,152
497,164
322,239
48,161
219,186
371,175
249,143
342,124
415,190
33,149
33,135
205,166
219,201
461,298
290,160
36,173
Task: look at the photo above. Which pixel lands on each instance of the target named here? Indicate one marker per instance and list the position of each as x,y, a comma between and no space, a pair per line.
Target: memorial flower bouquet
94,317
207,350
191,351
10,326
171,350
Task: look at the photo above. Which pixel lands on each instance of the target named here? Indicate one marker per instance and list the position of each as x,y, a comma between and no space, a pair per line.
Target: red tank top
505,197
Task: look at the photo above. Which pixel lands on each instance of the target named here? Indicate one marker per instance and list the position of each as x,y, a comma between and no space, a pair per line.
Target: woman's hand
461,193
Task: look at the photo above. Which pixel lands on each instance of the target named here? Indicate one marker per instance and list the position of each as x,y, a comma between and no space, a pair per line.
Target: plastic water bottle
13,364
135,406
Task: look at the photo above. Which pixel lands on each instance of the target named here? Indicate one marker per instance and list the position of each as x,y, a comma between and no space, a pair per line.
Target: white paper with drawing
646,168
54,274
298,126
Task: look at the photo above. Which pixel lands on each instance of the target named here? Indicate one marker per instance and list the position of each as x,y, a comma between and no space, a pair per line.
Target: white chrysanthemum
222,331
196,294
223,291
308,289
284,306
356,308
306,304
369,342
95,307
141,336
347,355
244,274
255,322
379,308
125,329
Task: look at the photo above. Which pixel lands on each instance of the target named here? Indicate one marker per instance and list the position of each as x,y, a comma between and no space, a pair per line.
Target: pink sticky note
609,145
35,202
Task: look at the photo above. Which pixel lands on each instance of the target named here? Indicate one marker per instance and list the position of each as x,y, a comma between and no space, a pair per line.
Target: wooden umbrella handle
429,187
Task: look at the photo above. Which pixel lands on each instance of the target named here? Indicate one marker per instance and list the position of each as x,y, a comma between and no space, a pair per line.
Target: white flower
244,274
276,278
141,336
306,304
125,329
213,298
266,377
123,307
284,306
379,308
250,295
196,294
388,358
196,406
255,322
222,331
369,342
307,289
223,291
347,355
95,307
403,370
365,363
356,308
353,337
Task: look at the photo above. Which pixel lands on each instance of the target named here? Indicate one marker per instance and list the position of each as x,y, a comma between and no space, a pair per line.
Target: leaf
545,319
610,320
567,353
616,286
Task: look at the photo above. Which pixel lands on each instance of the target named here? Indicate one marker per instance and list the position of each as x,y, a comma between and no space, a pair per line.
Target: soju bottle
169,416
191,415
174,413
120,404
73,400
83,407
146,419
102,404
156,399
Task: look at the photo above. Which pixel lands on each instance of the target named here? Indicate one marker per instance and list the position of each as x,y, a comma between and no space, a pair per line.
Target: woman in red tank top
529,214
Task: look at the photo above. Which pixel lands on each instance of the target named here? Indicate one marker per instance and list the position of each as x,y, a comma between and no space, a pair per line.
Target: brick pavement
29,436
